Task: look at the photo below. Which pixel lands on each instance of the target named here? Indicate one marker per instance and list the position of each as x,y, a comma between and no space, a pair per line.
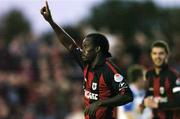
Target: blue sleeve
128,107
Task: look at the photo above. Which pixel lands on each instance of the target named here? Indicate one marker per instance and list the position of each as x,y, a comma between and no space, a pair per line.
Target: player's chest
160,86
94,81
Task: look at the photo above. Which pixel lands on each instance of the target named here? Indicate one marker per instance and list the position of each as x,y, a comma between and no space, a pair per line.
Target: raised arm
63,37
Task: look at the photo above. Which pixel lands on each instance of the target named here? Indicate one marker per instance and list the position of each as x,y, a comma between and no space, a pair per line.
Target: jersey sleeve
148,88
175,82
77,53
116,83
119,84
128,107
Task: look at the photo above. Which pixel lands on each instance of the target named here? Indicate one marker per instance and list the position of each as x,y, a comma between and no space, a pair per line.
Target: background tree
128,17
13,24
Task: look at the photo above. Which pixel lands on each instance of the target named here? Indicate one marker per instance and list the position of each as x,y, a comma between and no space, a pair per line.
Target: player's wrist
104,103
100,103
51,21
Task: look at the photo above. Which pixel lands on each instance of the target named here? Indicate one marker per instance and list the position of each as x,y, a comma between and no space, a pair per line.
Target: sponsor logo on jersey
89,95
122,86
118,77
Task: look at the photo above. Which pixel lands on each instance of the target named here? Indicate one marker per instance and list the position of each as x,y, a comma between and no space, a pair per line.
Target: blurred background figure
4,109
76,103
133,110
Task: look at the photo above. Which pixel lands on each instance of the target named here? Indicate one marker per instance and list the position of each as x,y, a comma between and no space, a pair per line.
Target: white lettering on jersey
161,90
90,95
151,89
178,81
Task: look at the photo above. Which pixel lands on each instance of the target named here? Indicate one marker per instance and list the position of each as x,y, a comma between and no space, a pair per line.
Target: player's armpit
118,100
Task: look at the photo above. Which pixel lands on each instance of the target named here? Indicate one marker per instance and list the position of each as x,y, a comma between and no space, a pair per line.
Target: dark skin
91,54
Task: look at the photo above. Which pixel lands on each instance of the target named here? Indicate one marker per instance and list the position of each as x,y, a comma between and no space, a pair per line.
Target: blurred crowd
39,80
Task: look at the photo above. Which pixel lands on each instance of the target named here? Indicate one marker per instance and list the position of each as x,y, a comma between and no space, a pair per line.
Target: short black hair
100,40
134,73
161,44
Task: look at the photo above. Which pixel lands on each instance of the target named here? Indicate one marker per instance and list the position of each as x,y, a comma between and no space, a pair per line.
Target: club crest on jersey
94,86
118,77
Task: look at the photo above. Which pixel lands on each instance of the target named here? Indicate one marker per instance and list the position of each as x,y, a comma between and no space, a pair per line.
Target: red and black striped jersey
166,85
101,82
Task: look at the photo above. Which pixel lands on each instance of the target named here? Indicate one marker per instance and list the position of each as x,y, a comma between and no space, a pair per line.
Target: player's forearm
169,106
118,100
63,37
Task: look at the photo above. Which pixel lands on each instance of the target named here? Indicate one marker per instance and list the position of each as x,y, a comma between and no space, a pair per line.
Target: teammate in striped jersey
163,85
104,86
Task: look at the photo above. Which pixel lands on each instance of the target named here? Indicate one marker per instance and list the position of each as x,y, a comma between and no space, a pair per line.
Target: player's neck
99,58
136,85
157,70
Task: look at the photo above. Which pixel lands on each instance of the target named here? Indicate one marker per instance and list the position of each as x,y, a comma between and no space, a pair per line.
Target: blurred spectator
7,63
76,102
4,109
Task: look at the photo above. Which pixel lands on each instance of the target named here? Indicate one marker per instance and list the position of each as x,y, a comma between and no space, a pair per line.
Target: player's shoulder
112,71
108,69
174,72
150,71
111,67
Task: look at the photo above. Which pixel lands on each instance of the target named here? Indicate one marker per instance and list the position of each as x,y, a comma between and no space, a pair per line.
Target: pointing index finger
47,6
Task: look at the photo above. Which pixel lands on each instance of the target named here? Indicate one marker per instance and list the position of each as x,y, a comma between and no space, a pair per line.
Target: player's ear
167,57
98,49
